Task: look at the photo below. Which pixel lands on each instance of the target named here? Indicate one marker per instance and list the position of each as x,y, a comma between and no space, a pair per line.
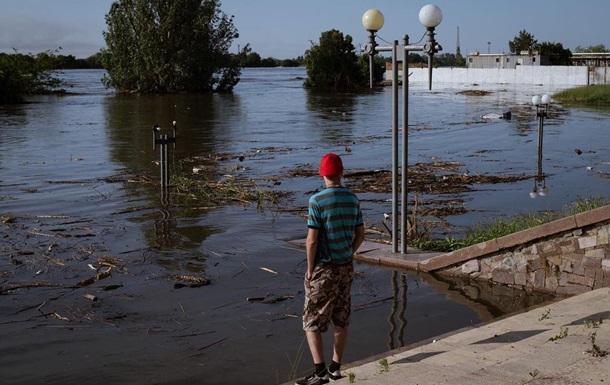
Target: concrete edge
516,239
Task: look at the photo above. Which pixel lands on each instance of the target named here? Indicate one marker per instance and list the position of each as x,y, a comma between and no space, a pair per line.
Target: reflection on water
484,299
399,307
57,157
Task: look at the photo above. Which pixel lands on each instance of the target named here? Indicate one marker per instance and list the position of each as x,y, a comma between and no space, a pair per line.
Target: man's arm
311,245
358,238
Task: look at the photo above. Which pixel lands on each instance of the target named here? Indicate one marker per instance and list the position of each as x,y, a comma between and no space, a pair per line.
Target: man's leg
316,346
339,342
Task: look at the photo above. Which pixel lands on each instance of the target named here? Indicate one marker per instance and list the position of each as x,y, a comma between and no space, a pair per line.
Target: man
335,232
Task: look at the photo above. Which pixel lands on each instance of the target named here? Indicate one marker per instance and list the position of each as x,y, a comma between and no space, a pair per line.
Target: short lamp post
430,16
542,106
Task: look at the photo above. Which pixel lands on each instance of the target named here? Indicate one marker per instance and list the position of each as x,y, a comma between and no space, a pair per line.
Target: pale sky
284,28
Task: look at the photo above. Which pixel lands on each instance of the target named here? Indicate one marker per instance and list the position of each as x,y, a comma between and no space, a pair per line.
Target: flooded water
67,201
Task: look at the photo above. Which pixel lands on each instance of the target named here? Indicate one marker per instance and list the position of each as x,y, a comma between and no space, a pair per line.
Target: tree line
174,46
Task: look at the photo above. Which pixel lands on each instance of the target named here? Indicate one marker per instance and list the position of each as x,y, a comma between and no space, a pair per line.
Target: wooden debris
55,315
192,281
90,297
97,277
268,270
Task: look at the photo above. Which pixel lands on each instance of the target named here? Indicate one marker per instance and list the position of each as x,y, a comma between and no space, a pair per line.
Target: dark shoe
334,376
313,379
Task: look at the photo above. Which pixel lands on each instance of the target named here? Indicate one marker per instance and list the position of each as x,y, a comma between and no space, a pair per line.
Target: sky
285,29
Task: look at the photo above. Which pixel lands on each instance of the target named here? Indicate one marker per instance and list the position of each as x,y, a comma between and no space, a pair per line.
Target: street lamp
430,16
542,106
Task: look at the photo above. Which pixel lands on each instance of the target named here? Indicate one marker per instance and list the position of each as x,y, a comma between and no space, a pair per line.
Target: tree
523,42
600,48
21,75
170,46
332,63
556,53
252,59
378,68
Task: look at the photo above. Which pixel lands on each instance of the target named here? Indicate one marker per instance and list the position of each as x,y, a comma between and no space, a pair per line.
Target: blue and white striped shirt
335,212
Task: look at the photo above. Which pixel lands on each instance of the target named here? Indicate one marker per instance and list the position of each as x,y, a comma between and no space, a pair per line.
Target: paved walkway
562,342
552,344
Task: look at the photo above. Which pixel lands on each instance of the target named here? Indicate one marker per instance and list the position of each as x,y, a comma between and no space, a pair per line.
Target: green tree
170,46
523,42
22,75
556,53
290,63
270,62
600,48
252,59
378,68
332,64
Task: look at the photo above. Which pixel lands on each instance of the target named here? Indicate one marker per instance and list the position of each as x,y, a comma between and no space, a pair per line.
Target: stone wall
564,257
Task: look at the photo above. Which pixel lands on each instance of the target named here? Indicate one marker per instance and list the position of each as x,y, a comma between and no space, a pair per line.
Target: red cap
331,165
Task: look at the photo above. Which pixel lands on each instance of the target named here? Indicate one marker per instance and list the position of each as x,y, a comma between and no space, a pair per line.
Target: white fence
550,78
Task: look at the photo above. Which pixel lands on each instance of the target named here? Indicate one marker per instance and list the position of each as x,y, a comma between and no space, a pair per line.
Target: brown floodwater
79,196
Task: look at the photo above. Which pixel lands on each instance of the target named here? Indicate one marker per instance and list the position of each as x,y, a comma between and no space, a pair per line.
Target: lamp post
542,106
430,16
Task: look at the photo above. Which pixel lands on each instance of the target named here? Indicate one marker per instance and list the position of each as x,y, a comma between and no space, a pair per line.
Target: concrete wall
553,78
565,257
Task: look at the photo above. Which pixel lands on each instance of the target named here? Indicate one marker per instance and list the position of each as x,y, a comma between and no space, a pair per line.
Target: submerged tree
22,75
333,64
170,46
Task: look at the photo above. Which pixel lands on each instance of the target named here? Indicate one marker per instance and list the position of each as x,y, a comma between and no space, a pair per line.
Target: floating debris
191,281
268,270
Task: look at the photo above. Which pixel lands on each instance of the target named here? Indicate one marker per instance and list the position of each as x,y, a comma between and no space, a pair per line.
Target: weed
562,334
590,324
595,350
502,226
545,315
384,366
351,376
297,359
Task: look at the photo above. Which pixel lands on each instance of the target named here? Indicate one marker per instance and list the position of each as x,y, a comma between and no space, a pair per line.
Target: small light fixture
430,16
538,100
373,20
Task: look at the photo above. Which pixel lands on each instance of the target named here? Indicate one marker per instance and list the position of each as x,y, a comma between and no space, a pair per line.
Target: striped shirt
335,212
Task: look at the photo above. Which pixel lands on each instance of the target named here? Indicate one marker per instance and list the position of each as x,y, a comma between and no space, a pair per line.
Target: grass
507,225
384,366
594,95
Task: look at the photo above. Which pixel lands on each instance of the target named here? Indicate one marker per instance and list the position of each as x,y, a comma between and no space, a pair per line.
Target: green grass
594,95
507,225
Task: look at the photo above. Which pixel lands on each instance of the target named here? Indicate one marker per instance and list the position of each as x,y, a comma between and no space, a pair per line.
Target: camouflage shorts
327,297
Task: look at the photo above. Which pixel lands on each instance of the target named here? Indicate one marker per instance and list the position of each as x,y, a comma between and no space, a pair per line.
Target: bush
21,75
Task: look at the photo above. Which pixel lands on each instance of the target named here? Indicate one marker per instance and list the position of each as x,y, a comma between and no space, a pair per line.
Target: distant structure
601,59
525,58
457,49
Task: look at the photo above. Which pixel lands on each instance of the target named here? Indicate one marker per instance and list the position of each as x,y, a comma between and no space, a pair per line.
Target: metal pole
540,114
405,150
166,149
372,44
394,147
162,155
